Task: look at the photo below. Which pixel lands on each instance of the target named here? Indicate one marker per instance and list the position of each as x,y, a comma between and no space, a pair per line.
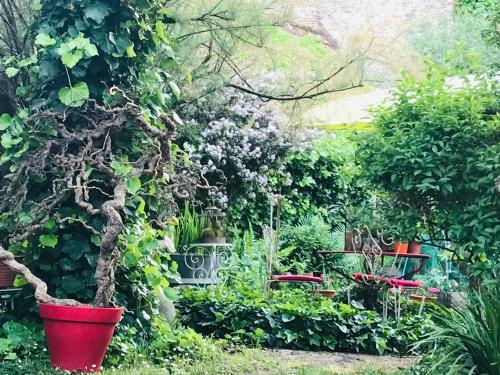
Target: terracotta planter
78,337
327,293
401,247
348,241
413,248
7,276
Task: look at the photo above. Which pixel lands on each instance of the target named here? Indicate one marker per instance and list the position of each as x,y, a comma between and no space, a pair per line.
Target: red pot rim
84,313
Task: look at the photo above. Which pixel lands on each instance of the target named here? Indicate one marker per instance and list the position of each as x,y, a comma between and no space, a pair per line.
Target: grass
245,362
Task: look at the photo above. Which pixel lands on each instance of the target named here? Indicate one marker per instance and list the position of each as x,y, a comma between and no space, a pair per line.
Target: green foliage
298,321
305,239
472,31
188,227
17,340
320,179
436,152
467,339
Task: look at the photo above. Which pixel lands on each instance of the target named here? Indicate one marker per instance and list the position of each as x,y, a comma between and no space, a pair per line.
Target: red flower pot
78,337
401,247
414,248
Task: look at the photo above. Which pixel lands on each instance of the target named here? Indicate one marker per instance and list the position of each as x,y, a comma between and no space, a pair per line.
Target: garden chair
314,281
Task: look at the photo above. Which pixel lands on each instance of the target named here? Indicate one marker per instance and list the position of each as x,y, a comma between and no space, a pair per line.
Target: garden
169,205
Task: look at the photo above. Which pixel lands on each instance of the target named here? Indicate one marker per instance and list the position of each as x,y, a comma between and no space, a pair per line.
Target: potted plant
196,235
327,290
214,231
98,155
413,247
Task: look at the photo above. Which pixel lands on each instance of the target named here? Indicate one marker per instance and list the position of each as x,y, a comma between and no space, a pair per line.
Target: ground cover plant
299,321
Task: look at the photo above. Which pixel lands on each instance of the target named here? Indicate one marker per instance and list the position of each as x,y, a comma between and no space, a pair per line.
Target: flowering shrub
235,141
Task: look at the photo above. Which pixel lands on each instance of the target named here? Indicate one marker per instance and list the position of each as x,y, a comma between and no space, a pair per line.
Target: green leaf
48,240
71,284
129,51
44,40
133,185
90,50
5,120
70,59
97,11
122,42
74,96
75,249
120,169
175,89
11,72
6,141
36,6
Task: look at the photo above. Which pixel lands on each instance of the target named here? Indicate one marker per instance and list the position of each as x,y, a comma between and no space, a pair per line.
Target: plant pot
7,276
212,239
198,268
78,337
348,241
401,247
413,248
326,293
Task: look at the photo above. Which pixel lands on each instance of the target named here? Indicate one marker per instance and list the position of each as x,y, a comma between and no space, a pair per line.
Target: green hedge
298,321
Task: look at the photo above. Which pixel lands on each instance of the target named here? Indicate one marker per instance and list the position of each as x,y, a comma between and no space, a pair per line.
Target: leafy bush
298,321
18,340
467,339
318,178
305,239
436,151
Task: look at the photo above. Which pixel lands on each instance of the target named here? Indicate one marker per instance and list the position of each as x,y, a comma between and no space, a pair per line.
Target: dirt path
345,363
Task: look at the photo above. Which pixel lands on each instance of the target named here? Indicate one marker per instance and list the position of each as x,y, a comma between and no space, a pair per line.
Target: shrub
298,321
305,239
436,151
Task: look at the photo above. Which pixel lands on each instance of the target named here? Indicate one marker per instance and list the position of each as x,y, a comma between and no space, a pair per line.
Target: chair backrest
371,246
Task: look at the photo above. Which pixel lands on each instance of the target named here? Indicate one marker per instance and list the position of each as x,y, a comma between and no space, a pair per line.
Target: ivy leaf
90,50
48,240
74,96
70,59
120,169
11,72
129,51
97,11
44,40
48,70
5,120
75,249
122,43
71,284
133,185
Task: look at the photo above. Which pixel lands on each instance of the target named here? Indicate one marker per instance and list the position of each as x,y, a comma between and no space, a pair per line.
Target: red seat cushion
434,290
406,283
304,278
